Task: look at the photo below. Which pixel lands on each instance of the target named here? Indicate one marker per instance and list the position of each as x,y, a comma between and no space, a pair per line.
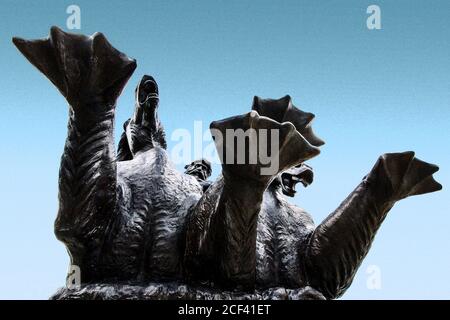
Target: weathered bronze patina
138,228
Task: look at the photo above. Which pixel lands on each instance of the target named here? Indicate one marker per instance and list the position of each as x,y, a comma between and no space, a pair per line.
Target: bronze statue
138,228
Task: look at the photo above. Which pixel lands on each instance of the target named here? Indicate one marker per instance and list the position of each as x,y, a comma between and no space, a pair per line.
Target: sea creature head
200,169
147,92
288,179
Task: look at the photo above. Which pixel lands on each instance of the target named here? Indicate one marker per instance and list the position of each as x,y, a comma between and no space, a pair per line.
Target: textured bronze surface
138,228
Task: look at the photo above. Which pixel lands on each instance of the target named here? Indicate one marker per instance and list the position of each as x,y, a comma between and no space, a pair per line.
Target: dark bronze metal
138,228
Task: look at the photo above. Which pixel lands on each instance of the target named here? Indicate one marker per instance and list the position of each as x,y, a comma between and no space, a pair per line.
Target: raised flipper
339,244
84,69
258,148
221,231
90,74
406,174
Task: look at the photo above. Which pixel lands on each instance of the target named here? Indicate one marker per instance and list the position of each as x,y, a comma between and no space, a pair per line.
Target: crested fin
272,108
283,110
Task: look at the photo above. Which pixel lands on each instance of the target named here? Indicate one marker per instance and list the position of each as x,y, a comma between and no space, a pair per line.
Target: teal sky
372,92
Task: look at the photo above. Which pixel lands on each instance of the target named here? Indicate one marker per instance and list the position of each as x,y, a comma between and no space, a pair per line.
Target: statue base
174,291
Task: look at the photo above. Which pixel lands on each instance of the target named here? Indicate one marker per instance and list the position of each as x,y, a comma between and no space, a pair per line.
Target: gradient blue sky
372,92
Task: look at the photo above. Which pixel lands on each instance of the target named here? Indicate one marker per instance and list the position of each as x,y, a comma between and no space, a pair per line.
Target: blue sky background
372,92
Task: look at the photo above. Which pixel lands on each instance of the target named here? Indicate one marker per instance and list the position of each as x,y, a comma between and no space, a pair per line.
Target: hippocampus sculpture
137,227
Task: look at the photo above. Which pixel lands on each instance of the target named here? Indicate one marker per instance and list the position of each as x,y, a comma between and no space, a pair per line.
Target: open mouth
291,177
148,90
